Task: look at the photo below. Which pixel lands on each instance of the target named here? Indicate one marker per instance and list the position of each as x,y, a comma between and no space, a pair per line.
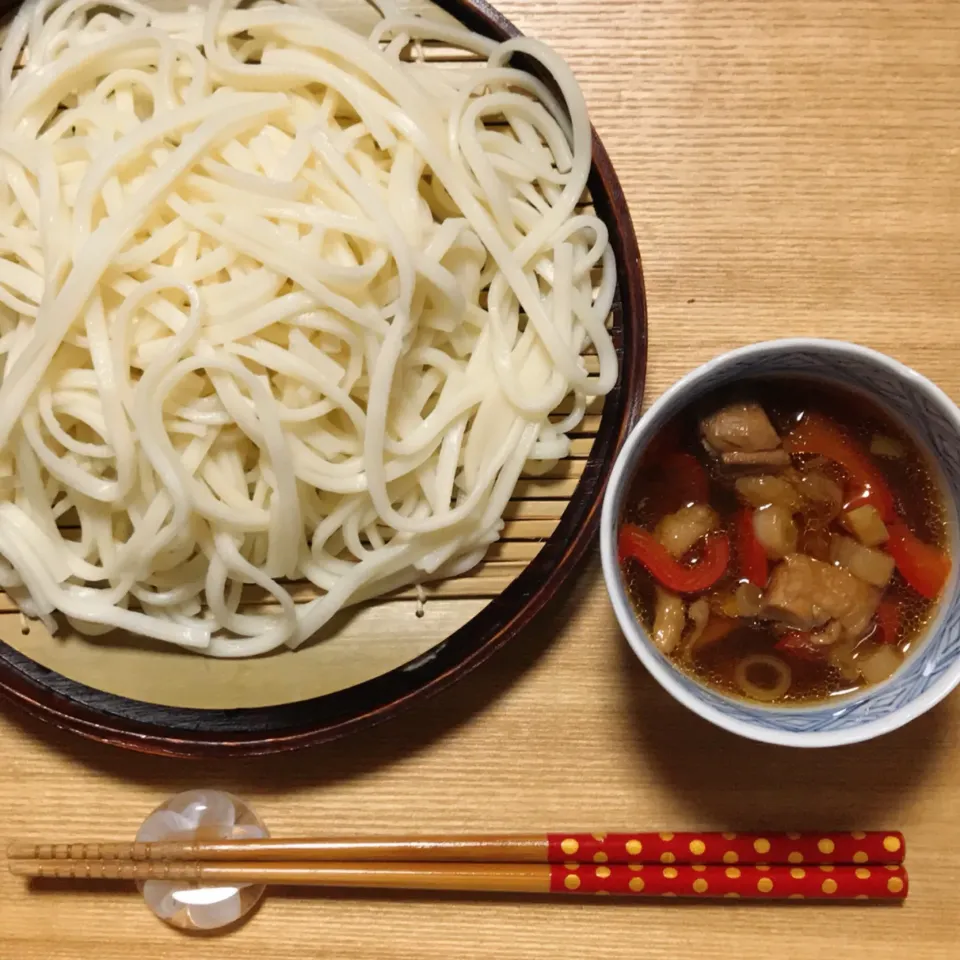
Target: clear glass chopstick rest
201,815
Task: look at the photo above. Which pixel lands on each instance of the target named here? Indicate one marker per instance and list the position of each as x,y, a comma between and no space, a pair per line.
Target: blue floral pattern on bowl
931,671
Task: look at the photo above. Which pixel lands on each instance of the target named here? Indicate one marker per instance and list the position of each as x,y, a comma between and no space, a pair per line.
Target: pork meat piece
739,428
806,593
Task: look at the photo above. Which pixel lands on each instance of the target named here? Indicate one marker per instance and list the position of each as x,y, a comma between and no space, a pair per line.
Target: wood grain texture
792,168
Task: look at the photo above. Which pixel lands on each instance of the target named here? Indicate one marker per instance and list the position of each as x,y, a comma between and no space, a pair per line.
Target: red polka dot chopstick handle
857,847
757,882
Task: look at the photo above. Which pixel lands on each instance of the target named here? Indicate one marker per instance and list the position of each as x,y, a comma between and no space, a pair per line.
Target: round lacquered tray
380,656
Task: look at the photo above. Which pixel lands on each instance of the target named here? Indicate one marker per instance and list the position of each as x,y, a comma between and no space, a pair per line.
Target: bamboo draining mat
792,168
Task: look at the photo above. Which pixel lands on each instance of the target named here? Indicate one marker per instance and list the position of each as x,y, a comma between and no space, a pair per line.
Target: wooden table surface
792,168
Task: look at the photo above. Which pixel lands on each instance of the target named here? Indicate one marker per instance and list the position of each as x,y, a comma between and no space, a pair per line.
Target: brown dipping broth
911,480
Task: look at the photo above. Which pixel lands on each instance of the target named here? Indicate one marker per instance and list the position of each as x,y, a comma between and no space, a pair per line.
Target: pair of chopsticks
768,866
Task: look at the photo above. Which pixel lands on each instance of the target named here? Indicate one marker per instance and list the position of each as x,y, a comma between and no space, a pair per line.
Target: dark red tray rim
192,733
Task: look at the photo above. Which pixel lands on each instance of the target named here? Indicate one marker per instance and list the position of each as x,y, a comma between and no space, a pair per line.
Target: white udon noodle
279,302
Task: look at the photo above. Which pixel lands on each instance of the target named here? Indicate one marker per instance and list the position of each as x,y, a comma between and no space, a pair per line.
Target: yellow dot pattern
732,896
698,878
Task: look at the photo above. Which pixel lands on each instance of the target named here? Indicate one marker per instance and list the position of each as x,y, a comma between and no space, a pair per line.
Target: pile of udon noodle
279,302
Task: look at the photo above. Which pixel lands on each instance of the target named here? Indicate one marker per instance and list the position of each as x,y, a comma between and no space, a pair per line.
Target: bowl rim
246,732
664,672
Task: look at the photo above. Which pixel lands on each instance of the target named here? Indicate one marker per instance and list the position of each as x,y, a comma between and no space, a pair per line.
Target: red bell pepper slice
799,644
888,622
817,434
687,480
641,545
750,552
924,567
